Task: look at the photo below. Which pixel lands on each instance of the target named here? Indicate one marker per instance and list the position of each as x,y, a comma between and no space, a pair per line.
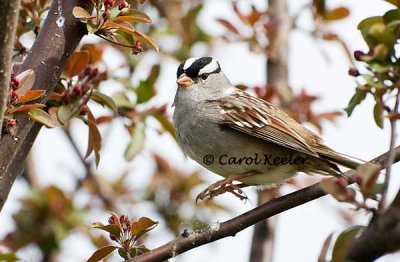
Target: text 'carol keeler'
255,159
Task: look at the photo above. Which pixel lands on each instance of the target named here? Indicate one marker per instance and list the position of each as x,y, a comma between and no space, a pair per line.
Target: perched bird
241,137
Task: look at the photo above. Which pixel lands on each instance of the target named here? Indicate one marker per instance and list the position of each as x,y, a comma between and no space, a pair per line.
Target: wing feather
258,118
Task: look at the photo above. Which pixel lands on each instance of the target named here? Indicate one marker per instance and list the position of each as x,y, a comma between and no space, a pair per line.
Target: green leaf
143,225
104,100
101,253
166,124
357,98
65,114
121,100
145,91
378,115
343,243
391,16
112,229
41,116
136,144
379,33
8,257
122,253
133,252
368,22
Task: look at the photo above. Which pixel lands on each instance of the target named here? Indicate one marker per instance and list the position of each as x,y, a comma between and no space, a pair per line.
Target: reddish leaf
133,17
325,248
31,95
26,81
143,225
228,25
112,229
80,13
104,119
337,188
145,40
120,25
41,116
95,52
55,96
336,14
115,219
76,63
94,143
26,107
53,113
369,173
101,253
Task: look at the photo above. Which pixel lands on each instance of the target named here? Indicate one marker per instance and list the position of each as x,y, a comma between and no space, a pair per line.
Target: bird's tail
342,159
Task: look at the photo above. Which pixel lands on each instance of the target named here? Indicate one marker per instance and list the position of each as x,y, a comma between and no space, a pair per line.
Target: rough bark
47,58
8,20
382,235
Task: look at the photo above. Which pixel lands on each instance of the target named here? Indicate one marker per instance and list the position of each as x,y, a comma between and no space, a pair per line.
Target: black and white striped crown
197,66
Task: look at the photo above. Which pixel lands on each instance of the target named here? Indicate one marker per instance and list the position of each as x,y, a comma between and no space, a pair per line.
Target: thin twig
233,226
389,163
89,174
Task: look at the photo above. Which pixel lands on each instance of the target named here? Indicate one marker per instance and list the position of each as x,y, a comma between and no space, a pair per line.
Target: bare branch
8,20
55,43
231,227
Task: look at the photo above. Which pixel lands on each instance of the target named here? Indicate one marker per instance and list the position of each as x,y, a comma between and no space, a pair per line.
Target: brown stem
8,20
47,58
231,227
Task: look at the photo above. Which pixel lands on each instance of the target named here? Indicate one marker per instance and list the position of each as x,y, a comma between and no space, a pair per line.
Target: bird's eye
204,76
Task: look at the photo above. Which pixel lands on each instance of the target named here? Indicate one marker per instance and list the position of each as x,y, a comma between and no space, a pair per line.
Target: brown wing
260,119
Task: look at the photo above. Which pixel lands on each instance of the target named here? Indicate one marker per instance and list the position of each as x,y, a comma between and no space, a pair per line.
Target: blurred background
142,171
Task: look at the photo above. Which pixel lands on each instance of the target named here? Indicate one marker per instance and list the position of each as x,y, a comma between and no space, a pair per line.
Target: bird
240,137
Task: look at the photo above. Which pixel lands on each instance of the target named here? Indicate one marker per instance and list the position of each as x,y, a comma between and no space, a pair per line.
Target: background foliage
112,86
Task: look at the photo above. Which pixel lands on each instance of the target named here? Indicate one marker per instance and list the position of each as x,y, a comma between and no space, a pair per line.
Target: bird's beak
184,81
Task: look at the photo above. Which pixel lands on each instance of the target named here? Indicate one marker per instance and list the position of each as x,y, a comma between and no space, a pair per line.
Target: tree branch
8,20
55,43
231,227
382,235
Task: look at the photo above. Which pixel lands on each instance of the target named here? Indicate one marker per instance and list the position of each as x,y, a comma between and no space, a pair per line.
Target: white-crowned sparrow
242,137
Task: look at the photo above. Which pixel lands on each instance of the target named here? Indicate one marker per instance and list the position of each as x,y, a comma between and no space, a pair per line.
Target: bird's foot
225,185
